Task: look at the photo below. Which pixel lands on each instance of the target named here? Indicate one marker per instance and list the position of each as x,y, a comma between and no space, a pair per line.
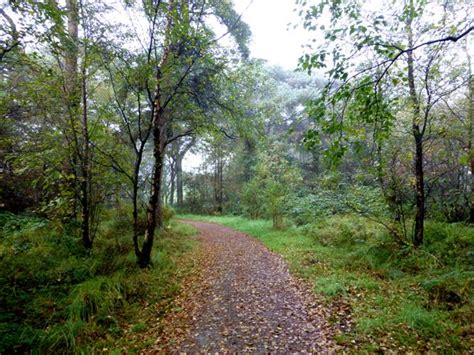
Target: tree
274,184
187,50
177,151
76,95
382,68
10,32
470,126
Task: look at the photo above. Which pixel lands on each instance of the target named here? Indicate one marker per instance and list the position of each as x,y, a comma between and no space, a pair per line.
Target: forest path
242,298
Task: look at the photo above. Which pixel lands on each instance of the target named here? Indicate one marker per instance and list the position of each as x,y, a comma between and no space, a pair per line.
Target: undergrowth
54,298
401,299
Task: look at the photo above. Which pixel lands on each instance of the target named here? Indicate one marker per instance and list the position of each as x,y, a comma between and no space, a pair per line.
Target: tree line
102,103
95,96
382,127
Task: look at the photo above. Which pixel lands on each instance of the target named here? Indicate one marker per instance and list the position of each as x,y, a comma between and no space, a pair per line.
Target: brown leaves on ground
242,298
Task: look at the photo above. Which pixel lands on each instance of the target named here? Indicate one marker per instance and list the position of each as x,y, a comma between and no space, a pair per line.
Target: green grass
54,298
401,299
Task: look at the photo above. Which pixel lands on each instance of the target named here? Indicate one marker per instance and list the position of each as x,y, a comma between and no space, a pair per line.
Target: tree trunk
420,190
85,168
179,171
471,213
172,183
72,98
135,219
249,163
135,207
71,53
80,155
470,123
418,136
220,174
277,221
160,124
153,215
179,180
218,180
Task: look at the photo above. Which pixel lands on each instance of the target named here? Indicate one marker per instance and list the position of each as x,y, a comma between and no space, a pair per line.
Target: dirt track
242,299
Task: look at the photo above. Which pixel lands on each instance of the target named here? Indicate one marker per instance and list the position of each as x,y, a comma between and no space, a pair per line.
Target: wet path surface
242,298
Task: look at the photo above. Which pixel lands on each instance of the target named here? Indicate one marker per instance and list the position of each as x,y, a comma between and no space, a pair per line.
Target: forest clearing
236,176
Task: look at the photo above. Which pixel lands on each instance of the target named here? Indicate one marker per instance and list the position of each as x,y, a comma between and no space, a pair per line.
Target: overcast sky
268,20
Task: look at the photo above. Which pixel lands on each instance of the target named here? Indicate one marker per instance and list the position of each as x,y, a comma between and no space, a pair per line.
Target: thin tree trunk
471,213
179,172
418,136
153,214
218,180
470,123
172,182
135,218
216,186
76,91
420,191
73,100
83,150
85,168
220,172
249,159
135,203
71,53
277,221
179,180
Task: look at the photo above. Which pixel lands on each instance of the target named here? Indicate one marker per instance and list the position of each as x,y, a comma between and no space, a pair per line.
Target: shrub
320,203
167,213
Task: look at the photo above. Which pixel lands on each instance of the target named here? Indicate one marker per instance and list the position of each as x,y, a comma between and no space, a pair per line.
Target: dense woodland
366,149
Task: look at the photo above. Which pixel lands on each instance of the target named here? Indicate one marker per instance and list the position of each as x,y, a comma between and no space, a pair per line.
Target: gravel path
242,299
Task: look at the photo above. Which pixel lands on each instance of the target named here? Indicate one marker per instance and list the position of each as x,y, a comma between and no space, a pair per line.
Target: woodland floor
242,298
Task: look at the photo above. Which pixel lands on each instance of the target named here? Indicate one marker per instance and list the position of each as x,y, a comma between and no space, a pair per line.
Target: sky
268,21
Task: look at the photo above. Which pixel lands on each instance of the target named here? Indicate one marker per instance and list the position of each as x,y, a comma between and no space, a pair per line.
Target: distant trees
177,151
273,187
244,170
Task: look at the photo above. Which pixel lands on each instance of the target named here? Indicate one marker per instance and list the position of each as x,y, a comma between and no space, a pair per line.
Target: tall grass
56,298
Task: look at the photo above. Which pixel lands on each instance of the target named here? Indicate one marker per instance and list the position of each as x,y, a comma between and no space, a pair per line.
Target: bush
167,213
316,205
452,243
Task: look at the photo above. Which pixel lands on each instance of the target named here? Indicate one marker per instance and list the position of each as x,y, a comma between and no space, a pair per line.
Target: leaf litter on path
242,298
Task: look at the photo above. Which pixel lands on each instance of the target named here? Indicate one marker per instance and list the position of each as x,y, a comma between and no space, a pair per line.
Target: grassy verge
56,299
402,300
